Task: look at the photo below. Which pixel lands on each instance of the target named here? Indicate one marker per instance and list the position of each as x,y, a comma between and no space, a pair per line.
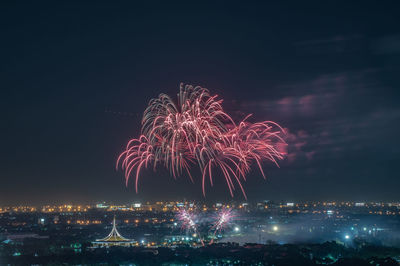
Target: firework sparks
196,130
224,217
188,222
187,219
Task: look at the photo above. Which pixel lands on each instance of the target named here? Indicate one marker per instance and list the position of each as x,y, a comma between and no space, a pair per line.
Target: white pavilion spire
114,235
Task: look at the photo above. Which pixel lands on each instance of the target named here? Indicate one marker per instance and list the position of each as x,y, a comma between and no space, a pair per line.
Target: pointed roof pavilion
114,238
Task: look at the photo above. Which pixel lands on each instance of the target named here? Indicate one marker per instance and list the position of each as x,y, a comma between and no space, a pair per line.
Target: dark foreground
329,253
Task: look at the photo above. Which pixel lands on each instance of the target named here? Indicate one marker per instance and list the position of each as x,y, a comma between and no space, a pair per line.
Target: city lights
205,223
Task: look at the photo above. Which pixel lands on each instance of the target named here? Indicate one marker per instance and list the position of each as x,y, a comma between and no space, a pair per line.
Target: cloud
331,116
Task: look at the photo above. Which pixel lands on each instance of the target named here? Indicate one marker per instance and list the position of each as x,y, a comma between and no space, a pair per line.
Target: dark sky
75,79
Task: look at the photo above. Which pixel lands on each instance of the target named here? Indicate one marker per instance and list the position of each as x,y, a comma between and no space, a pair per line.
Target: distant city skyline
187,231
53,207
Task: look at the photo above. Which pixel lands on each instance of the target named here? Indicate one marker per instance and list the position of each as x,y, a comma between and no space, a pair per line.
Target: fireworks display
188,221
196,130
223,219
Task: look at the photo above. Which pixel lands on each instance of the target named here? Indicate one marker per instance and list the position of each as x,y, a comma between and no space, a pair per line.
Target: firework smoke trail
196,130
188,222
224,218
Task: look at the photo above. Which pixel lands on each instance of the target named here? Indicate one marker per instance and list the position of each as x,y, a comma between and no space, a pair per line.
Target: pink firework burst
187,219
196,130
188,222
224,217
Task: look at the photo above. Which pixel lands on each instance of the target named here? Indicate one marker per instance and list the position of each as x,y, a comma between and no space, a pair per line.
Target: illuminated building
114,239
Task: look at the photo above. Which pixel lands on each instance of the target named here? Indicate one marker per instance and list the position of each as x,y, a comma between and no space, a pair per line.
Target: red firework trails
196,130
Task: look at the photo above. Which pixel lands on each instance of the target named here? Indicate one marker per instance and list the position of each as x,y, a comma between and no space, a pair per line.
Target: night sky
75,79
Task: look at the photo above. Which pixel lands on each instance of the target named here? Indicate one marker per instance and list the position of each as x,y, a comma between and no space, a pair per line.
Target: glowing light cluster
196,130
